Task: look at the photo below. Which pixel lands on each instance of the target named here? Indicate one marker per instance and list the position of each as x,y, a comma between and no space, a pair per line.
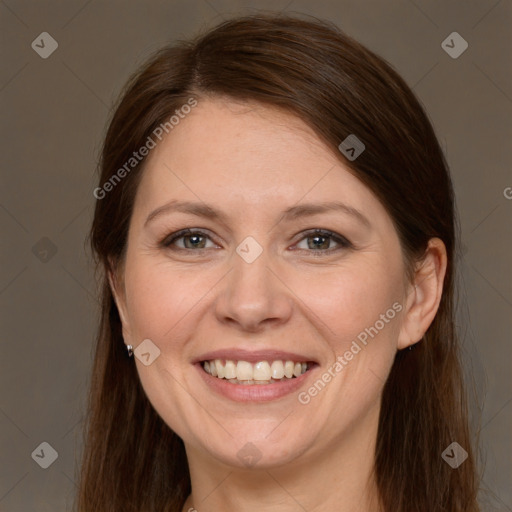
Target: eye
320,240
191,239
316,241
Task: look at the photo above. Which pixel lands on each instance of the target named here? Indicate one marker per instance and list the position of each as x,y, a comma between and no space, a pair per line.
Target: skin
252,162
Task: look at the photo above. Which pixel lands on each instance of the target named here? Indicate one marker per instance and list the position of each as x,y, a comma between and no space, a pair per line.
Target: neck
338,477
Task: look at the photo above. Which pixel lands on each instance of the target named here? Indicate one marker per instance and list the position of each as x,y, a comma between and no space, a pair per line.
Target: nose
252,298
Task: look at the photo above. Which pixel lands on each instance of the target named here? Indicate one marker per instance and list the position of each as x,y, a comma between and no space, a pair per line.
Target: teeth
221,371
244,370
288,369
230,370
262,372
277,369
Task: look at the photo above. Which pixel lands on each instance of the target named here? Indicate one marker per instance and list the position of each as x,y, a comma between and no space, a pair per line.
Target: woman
276,232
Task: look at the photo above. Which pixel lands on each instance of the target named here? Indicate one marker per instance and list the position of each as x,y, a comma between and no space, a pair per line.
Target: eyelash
341,240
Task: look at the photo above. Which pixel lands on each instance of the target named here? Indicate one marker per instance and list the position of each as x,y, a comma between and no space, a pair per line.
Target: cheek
163,292
346,301
161,308
160,297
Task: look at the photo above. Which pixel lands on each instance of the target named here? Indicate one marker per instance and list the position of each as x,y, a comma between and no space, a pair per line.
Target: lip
253,356
254,392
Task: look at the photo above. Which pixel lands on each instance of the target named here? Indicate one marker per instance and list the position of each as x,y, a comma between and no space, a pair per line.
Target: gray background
54,114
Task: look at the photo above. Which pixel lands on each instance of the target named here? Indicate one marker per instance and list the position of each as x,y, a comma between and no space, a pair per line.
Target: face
288,265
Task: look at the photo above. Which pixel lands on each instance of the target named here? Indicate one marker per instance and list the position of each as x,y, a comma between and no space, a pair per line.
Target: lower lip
253,392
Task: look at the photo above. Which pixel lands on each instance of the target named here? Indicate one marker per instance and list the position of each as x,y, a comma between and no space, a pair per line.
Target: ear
119,293
424,294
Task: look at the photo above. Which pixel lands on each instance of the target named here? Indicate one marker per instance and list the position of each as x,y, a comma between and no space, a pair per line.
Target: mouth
248,376
252,376
264,372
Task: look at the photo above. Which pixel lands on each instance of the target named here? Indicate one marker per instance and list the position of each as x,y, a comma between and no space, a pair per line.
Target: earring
129,349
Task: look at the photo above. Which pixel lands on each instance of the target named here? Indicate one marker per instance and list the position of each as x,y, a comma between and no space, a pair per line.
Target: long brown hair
132,461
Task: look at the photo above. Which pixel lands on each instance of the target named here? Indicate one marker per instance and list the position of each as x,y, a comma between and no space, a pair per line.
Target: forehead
221,132
228,152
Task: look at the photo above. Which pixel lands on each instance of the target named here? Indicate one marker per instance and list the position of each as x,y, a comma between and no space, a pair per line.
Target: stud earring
129,349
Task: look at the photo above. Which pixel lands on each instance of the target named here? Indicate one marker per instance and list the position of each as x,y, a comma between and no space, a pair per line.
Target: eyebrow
294,212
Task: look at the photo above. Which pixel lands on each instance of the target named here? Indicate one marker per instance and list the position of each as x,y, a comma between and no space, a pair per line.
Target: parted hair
132,460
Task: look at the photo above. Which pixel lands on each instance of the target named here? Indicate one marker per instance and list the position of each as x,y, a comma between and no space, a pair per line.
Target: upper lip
252,356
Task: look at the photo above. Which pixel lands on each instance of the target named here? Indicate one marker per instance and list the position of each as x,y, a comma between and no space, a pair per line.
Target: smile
261,372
